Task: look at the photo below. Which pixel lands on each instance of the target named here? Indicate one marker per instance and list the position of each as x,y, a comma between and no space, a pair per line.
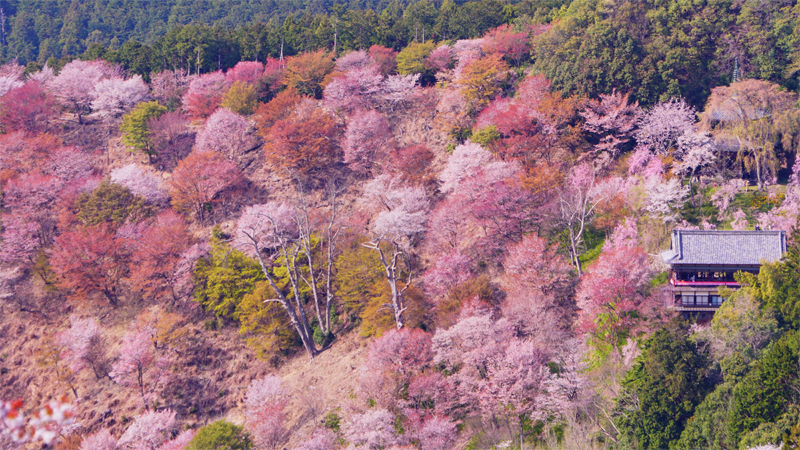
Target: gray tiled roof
725,247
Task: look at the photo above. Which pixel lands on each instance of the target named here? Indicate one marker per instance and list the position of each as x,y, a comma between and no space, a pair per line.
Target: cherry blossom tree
10,77
696,153
155,254
225,132
84,346
577,204
169,86
507,42
664,196
393,360
28,107
171,138
356,59
139,366
148,431
367,141
113,97
612,120
373,429
75,84
613,294
399,89
90,260
660,128
355,89
322,439
102,440
402,215
441,59
465,159
141,182
449,269
180,442
204,94
437,433
265,401
384,58
198,179
249,72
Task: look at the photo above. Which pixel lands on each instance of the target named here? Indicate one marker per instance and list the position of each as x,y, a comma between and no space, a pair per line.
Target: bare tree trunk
391,269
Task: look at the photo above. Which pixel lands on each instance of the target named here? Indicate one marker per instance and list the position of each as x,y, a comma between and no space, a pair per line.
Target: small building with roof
701,261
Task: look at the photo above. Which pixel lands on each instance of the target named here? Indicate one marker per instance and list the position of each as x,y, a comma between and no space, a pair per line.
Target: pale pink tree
403,211
367,141
75,84
322,439
612,120
660,128
373,429
225,132
102,440
724,194
180,442
577,204
696,153
205,94
10,77
141,182
84,346
148,431
739,221
357,88
625,235
116,96
356,59
169,86
437,433
265,401
43,76
448,270
139,365
466,158
399,89
664,196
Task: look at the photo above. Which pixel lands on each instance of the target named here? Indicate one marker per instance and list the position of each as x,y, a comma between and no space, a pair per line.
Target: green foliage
135,126
707,428
241,98
332,421
362,287
486,135
762,396
661,390
785,430
112,204
224,279
411,60
220,436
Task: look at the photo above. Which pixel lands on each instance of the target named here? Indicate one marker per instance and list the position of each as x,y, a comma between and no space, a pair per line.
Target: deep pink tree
84,346
75,84
506,41
448,269
384,58
225,132
28,107
115,96
249,72
198,179
102,440
148,431
441,59
139,365
367,141
205,94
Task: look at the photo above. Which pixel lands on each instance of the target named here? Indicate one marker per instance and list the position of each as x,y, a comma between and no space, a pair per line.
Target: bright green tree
241,98
221,436
136,128
411,60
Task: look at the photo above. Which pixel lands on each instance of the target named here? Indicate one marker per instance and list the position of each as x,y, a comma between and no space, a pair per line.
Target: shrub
221,436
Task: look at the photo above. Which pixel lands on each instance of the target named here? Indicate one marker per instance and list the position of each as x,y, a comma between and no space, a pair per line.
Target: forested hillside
417,227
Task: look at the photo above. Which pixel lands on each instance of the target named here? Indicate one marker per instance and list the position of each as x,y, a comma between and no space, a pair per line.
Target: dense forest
393,226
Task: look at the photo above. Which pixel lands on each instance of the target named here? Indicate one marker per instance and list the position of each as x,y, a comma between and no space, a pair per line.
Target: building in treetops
701,261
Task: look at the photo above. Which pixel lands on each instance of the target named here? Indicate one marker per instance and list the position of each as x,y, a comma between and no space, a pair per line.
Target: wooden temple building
703,260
